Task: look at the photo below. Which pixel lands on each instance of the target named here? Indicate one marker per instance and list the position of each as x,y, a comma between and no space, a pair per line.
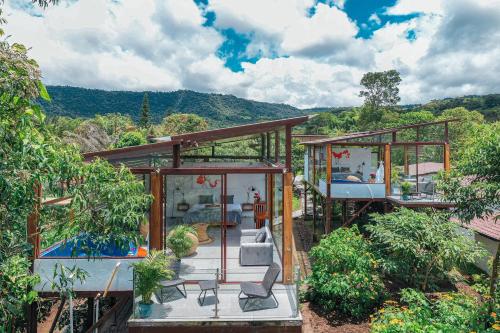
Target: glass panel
194,201
278,213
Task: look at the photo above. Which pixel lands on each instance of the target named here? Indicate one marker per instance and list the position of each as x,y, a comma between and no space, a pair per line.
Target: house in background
207,180
356,170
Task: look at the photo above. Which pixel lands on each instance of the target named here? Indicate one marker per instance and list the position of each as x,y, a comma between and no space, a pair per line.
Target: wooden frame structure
384,140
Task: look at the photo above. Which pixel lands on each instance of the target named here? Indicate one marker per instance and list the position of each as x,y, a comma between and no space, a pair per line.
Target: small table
172,283
205,286
201,231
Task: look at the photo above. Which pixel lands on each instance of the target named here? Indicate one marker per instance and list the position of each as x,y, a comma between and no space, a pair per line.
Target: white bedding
230,208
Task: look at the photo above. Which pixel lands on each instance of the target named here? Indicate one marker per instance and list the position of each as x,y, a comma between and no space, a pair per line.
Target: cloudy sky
301,52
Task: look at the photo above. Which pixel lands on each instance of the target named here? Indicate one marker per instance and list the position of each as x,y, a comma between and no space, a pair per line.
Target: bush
127,139
450,312
420,248
178,240
343,274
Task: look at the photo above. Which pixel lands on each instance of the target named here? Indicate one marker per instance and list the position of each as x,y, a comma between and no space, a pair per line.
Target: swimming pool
82,245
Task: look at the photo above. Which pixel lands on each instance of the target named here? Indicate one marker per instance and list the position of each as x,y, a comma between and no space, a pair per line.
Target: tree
127,139
144,122
419,247
180,123
381,92
474,185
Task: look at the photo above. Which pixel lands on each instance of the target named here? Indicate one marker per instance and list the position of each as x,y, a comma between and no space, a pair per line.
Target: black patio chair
261,290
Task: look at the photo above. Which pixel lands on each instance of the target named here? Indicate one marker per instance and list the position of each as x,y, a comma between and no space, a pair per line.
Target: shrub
127,139
343,274
420,248
450,312
178,240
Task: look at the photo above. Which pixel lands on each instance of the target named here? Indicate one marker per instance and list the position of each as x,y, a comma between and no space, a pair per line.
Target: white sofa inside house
256,247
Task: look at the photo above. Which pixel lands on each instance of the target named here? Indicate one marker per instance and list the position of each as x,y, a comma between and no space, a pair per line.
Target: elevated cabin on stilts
344,175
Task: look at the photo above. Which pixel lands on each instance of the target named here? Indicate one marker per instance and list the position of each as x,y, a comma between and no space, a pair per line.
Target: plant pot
175,266
406,197
144,309
193,248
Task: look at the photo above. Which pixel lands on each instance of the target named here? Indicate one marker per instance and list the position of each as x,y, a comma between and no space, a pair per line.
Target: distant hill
218,109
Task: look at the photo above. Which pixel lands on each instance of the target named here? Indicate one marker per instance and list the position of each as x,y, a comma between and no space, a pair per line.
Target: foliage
219,110
180,123
381,93
406,187
114,123
474,185
109,205
419,247
133,138
63,278
298,151
178,240
149,272
449,312
145,119
15,290
343,274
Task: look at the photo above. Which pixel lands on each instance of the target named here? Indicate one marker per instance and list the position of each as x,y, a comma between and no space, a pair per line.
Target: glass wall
278,213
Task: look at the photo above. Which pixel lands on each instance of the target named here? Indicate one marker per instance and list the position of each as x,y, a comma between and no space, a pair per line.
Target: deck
415,202
187,315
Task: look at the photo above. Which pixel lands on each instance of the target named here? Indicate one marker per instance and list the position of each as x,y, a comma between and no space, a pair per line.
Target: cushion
229,199
247,240
353,178
205,199
260,237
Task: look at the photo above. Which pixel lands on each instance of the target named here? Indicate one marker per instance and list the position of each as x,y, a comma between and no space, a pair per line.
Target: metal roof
194,139
357,135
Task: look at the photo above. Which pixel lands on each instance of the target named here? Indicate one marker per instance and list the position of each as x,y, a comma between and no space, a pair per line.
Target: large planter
144,309
406,197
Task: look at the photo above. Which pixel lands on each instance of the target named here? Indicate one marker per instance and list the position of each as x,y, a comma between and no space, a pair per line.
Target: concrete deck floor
177,309
203,264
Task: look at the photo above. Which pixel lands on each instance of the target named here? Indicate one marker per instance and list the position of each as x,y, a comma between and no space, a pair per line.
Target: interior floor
203,264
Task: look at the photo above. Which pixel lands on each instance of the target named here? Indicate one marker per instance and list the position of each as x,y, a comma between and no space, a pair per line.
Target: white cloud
308,60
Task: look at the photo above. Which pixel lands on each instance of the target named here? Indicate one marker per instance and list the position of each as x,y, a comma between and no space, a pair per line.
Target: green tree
474,185
144,122
133,138
420,248
180,123
381,93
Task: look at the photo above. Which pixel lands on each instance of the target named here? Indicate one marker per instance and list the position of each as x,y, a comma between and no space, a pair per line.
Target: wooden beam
276,146
446,134
288,147
270,199
328,169
387,169
446,156
176,163
155,213
328,214
287,229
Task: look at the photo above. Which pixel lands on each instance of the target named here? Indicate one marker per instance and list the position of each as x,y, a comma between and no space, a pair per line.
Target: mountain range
219,110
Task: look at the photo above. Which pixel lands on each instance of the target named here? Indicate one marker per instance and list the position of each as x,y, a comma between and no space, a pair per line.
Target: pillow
205,199
229,199
353,178
260,237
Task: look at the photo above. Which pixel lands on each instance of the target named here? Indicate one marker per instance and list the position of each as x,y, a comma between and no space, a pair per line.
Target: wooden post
305,201
288,147
387,169
90,312
328,220
270,199
314,212
328,213
446,134
277,146
33,232
287,229
176,150
155,213
268,146
446,156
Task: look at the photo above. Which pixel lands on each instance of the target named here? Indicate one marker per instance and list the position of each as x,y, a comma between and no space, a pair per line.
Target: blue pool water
81,246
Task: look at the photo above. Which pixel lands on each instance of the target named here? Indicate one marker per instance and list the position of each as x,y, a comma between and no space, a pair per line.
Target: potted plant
148,273
182,240
406,190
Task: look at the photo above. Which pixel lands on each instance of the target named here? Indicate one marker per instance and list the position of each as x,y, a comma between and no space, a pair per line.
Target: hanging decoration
338,155
204,181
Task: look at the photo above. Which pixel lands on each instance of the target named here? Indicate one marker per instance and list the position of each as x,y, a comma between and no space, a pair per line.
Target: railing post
297,286
216,293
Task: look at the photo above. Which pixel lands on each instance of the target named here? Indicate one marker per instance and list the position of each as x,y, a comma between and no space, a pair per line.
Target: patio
177,310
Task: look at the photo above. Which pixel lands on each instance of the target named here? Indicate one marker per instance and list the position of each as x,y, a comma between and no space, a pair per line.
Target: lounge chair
262,290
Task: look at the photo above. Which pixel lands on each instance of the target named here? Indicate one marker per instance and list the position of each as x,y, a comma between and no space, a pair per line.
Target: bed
206,213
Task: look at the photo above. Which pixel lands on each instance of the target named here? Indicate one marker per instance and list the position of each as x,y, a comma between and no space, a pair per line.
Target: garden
406,271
